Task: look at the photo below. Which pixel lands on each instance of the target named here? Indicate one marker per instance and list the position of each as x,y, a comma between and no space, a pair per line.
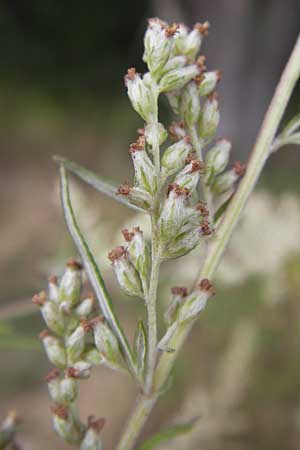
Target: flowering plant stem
216,248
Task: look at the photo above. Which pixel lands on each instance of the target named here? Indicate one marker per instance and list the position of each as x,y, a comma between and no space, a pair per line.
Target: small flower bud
209,118
140,96
68,389
80,370
177,131
53,289
190,175
138,251
155,133
217,159
174,212
158,44
85,308
137,196
174,99
53,317
183,243
190,104
127,276
64,423
93,357
175,156
107,344
75,343
195,302
70,285
178,78
189,43
209,82
174,63
91,440
143,167
178,294
53,380
225,182
54,349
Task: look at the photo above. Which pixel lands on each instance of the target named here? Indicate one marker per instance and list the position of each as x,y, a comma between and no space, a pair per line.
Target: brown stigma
117,253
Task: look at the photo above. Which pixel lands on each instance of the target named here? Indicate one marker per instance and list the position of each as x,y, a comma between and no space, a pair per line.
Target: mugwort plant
183,183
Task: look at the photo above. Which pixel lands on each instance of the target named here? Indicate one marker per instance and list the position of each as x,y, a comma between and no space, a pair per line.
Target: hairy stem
151,309
257,160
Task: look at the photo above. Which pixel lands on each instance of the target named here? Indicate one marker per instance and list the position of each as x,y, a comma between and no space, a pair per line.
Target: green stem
258,158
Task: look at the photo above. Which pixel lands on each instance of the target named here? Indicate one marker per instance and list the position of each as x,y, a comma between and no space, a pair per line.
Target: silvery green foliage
69,320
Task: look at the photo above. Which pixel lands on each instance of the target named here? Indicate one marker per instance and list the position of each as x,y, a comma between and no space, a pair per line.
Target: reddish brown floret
198,79
180,291
96,424
213,96
196,165
139,145
52,279
202,27
71,372
131,74
173,187
170,30
60,411
43,334
117,253
124,189
40,298
192,156
201,63
172,130
98,319
202,208
85,323
52,375
239,168
206,228
206,285
74,264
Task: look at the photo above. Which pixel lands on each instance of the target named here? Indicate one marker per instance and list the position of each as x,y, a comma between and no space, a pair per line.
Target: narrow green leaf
97,182
169,433
92,269
220,211
140,346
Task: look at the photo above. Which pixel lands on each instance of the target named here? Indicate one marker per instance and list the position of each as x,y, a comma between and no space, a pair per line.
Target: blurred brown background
61,91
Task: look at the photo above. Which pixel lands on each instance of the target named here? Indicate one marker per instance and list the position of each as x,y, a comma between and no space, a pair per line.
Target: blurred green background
62,91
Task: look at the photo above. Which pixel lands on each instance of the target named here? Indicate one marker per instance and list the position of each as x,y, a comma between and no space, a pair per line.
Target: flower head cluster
74,341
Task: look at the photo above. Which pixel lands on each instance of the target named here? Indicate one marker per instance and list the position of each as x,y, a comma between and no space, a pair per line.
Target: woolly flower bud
184,243
178,294
75,343
189,43
175,156
155,133
209,118
126,274
64,424
189,176
217,159
178,78
50,312
68,389
53,380
53,289
174,99
195,302
209,82
177,130
190,104
138,251
107,344
91,440
174,63
226,181
86,306
80,370
70,285
158,45
137,196
174,212
143,167
140,96
54,349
